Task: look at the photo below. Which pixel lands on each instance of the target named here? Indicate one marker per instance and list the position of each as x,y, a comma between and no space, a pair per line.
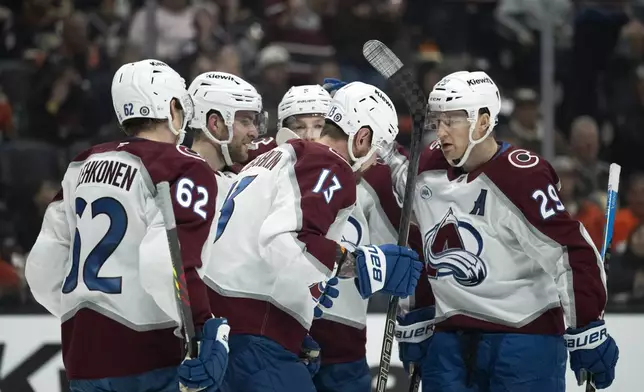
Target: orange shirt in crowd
592,217
625,223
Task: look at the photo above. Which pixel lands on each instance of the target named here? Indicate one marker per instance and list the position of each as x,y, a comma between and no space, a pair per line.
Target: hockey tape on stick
163,201
611,207
404,80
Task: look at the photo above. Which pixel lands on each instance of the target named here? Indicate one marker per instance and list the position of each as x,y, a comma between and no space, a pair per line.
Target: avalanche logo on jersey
351,234
453,248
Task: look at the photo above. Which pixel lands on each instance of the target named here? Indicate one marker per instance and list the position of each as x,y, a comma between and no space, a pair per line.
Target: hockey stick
611,207
389,65
164,202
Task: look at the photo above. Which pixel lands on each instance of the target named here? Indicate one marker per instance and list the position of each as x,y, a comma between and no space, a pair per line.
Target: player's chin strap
357,162
222,143
470,146
180,133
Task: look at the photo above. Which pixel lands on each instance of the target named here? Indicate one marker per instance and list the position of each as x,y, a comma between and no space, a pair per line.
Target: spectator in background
629,136
29,212
579,207
520,21
10,282
210,34
6,117
33,28
272,80
107,25
626,272
296,26
525,124
327,69
584,147
174,30
350,23
71,88
631,216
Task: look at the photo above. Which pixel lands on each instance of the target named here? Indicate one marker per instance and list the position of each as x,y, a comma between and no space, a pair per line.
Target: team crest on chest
453,249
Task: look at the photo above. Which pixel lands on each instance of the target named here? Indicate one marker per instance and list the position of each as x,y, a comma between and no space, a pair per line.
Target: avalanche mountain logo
453,248
351,234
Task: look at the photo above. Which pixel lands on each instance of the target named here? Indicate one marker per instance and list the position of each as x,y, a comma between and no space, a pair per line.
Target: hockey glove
593,351
310,355
208,369
392,269
413,333
329,293
332,85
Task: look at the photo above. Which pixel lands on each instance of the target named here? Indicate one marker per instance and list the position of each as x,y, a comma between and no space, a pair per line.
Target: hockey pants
159,380
258,364
344,377
480,362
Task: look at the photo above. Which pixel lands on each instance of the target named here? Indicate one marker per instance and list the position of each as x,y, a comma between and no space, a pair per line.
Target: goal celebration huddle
232,261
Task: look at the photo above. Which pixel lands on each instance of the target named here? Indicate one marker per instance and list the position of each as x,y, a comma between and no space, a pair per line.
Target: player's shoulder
321,164
94,150
522,175
312,153
378,177
259,146
166,161
520,166
432,158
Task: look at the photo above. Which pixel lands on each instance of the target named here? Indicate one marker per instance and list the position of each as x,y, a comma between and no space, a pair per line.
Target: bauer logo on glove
591,339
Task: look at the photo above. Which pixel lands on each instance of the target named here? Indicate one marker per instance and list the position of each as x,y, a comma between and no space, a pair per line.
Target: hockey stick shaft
611,207
164,202
383,60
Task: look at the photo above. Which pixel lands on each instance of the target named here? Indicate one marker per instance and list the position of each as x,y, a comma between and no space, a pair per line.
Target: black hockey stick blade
164,202
390,66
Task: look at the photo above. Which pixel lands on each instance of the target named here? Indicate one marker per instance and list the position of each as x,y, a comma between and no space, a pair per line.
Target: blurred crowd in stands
57,58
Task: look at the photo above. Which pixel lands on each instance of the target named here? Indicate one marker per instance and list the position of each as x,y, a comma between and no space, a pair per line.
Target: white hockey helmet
358,105
145,89
308,99
468,91
227,94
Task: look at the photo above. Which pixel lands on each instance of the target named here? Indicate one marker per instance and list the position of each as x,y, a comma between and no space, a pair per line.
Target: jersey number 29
115,211
544,200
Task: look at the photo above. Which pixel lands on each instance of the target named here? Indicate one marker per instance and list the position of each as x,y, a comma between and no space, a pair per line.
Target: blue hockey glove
310,355
391,269
329,293
332,85
592,351
208,369
413,333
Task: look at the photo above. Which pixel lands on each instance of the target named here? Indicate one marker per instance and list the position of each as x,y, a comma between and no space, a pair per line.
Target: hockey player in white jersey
284,216
102,264
228,117
516,280
341,330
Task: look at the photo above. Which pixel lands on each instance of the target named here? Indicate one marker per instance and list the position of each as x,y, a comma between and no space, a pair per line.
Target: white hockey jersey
501,250
341,333
102,264
276,240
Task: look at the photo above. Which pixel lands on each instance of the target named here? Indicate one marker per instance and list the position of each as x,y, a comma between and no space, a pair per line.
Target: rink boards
30,357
